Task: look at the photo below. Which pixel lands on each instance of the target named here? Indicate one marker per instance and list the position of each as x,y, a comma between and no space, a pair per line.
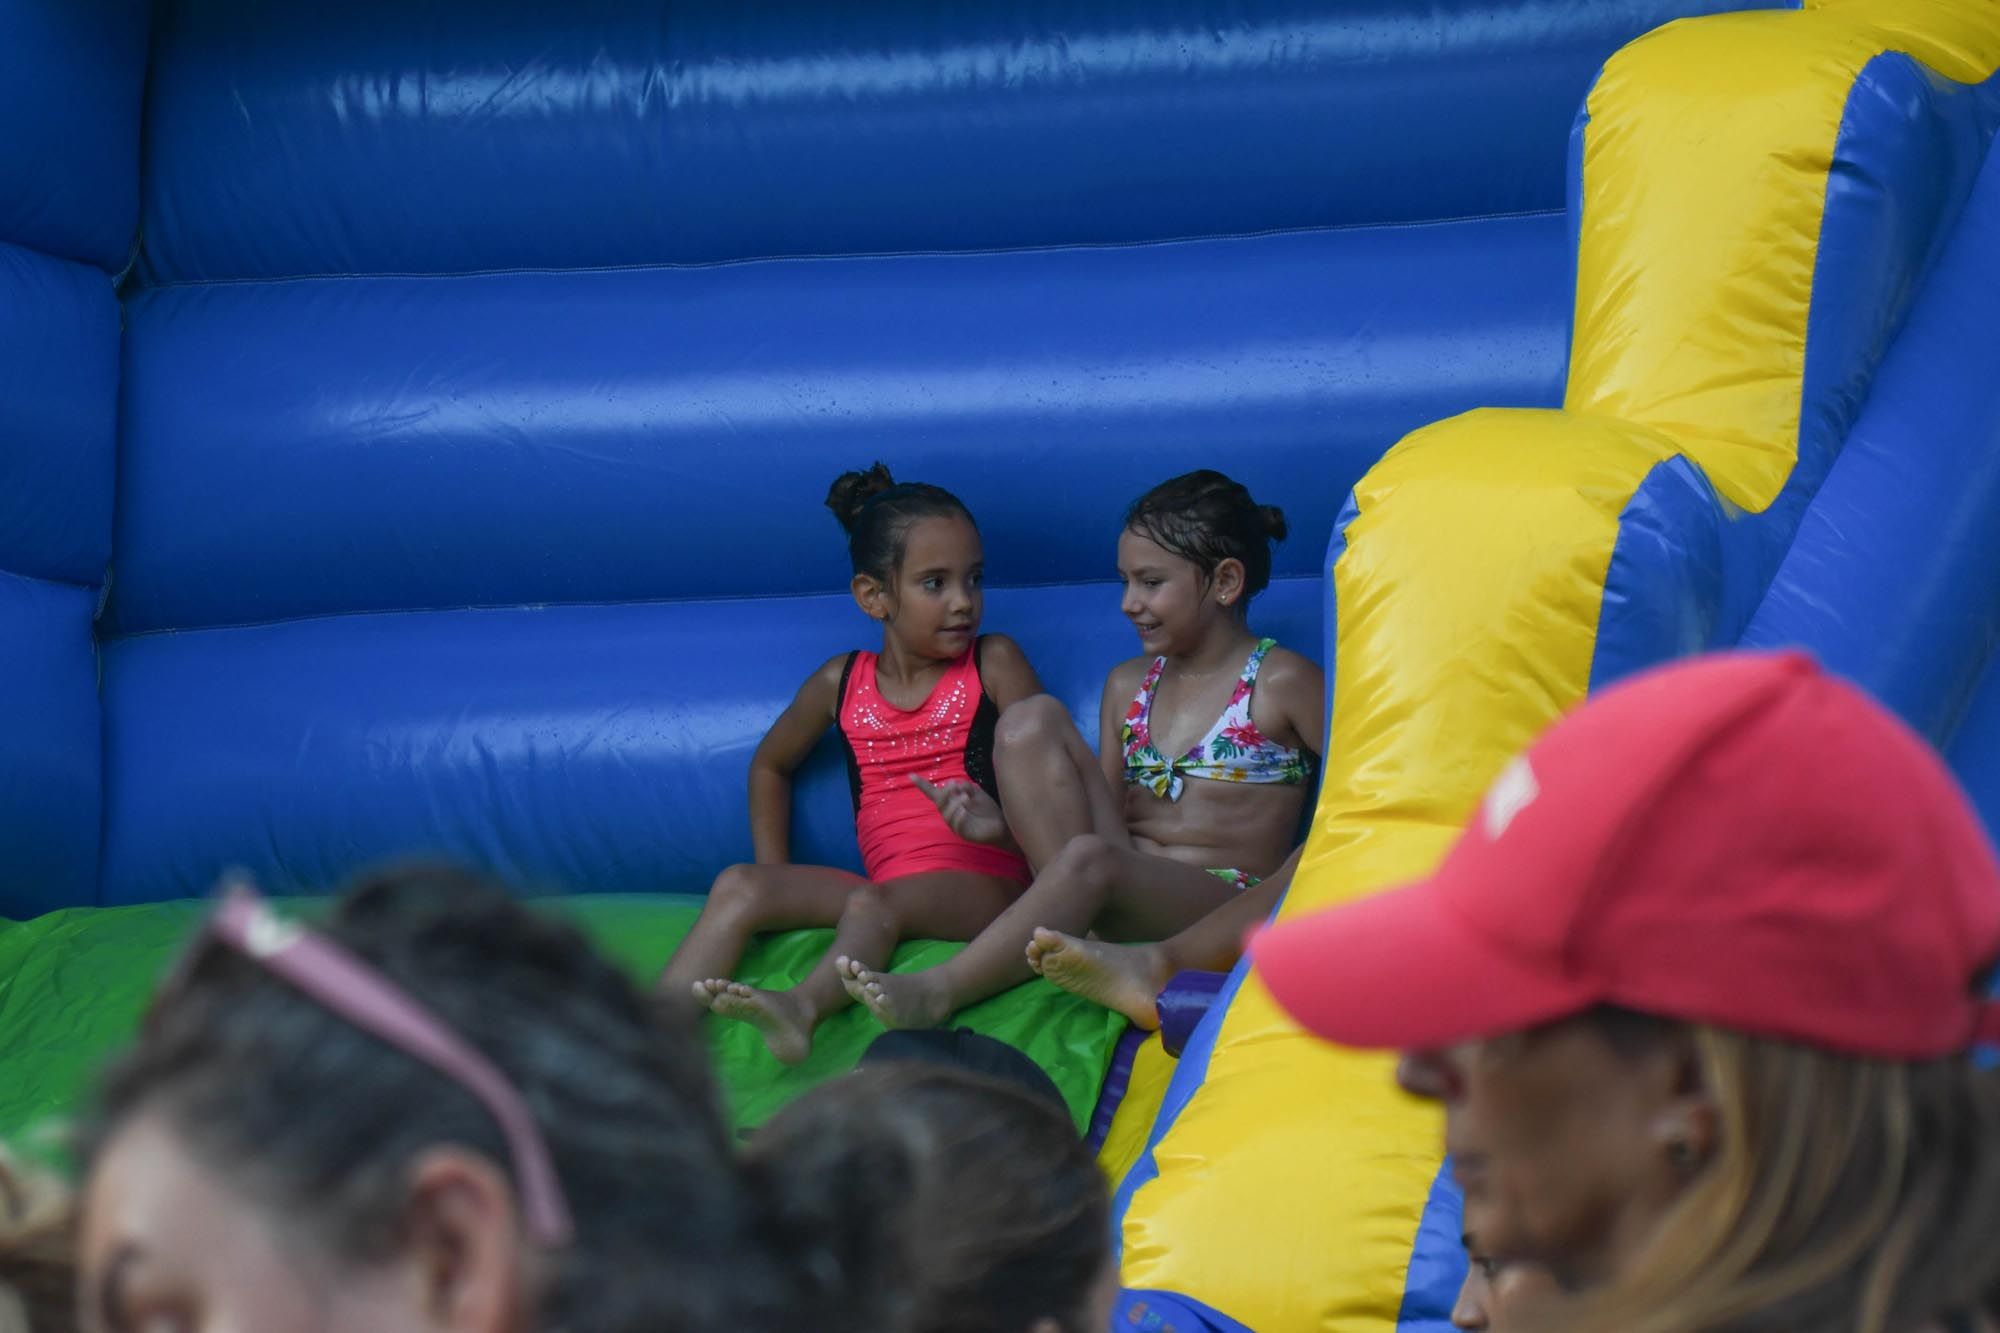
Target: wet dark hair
934,1200
313,1119
878,512
1207,518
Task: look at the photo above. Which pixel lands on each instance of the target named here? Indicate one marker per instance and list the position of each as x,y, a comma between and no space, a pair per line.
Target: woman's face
1558,1142
166,1248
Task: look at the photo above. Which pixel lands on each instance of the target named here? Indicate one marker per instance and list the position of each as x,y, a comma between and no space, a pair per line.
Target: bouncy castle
414,418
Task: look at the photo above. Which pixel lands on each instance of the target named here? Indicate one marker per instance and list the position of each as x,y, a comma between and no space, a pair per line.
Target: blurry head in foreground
37,1251
1696,989
439,1111
933,1200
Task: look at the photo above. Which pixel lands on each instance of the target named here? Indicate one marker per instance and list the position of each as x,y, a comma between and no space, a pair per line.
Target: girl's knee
869,906
737,892
1036,719
1089,859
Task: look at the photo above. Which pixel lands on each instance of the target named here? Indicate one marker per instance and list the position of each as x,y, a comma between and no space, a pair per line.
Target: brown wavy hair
1844,1195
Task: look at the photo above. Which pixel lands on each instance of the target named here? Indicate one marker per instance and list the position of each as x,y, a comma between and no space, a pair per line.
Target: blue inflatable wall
477,382
484,366
70,80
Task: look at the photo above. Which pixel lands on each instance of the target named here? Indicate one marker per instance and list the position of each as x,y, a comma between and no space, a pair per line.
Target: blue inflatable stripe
1892,580
1689,570
1437,1260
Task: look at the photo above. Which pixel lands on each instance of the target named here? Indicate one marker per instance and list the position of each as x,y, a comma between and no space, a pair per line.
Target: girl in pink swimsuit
1198,786
920,712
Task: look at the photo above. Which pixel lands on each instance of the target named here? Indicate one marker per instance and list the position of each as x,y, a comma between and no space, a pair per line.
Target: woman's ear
1227,582
463,1247
871,596
1686,1129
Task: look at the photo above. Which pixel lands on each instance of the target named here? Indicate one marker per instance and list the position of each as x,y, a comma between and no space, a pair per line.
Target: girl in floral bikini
1196,791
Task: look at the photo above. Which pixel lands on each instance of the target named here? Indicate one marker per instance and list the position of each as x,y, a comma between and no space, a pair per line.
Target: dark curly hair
930,1199
878,512
320,1122
1207,518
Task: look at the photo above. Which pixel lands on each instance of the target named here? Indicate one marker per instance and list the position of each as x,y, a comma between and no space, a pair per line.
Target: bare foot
1124,977
912,1001
786,1027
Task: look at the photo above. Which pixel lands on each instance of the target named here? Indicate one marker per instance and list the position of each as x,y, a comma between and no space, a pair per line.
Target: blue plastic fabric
1975,752
1894,579
1686,562
49,765
1671,572
71,72
1437,1260
1183,1004
1117,1082
58,416
591,747
383,136
670,433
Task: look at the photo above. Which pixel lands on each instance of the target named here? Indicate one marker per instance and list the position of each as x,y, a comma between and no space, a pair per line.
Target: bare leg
1050,784
946,905
1130,977
1093,881
745,900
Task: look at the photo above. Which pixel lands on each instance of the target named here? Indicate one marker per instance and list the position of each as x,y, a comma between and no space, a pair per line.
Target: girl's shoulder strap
1251,667
846,675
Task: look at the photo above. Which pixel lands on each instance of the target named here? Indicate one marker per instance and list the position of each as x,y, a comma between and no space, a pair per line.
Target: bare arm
784,747
1119,688
1293,689
1005,673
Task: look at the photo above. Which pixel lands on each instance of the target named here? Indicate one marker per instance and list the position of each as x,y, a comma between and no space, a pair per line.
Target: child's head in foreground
935,1200
269,1156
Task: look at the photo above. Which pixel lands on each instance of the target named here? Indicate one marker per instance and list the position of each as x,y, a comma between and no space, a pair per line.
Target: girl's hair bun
852,490
1274,521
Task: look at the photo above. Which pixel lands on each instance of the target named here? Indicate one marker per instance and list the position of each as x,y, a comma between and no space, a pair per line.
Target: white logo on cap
1512,792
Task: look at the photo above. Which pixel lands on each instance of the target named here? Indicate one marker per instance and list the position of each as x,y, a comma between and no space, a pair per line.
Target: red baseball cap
1739,840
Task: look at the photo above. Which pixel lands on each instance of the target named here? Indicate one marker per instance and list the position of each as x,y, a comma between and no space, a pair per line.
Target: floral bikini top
1233,751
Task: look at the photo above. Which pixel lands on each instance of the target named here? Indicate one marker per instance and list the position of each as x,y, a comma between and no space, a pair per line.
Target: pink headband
358,993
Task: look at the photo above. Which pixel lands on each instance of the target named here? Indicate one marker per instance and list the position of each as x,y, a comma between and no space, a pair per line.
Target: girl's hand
968,810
